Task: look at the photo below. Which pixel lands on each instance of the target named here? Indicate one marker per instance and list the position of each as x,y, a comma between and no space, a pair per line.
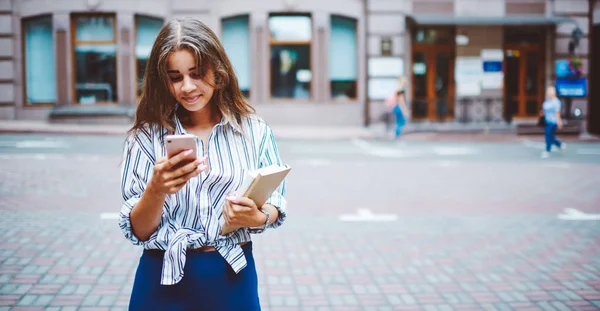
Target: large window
290,38
147,28
236,40
95,52
343,58
40,71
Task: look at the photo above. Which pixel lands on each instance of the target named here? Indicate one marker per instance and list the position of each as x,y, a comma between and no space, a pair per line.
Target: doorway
433,74
523,73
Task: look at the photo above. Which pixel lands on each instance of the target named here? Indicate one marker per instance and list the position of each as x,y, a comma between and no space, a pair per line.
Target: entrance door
523,71
433,83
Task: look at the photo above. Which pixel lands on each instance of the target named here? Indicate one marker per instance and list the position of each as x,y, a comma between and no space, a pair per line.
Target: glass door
524,81
433,83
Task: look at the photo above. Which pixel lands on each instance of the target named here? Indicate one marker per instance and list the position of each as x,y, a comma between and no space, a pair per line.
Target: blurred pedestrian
172,207
551,112
396,104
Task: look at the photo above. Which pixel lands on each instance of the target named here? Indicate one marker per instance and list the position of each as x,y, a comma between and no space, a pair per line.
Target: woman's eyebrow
177,71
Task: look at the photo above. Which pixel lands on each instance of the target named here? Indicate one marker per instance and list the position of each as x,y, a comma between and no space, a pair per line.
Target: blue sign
492,66
571,87
562,68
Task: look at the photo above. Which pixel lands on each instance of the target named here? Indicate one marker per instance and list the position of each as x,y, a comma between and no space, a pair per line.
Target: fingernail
188,152
231,198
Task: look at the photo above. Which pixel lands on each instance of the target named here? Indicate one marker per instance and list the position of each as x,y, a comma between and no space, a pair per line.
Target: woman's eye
196,75
175,79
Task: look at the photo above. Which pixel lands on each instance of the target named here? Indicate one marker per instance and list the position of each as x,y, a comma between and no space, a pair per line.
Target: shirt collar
226,120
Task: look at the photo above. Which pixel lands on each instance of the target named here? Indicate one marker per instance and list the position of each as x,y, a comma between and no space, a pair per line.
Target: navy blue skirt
209,283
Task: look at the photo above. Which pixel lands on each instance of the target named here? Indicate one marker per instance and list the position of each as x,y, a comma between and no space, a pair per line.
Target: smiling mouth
192,99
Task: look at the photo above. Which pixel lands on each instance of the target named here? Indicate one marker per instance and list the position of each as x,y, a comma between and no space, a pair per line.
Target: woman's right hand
169,177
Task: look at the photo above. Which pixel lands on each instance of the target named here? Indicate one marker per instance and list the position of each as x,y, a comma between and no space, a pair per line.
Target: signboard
492,77
386,67
468,73
571,87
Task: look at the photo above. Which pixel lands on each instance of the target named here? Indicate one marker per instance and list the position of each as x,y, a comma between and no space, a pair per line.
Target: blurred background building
312,62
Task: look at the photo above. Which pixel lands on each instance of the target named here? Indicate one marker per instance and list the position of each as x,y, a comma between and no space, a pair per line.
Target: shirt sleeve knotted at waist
175,255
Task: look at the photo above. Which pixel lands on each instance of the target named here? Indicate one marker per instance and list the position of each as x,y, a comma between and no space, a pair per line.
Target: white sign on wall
381,88
492,62
386,66
468,74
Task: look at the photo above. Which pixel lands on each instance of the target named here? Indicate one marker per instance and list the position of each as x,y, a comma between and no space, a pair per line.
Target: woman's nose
188,85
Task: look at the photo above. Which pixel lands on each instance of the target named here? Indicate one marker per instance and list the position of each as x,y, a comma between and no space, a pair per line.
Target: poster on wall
493,76
381,88
468,73
386,67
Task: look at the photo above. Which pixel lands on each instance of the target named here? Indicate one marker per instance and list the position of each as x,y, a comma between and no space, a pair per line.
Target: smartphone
178,143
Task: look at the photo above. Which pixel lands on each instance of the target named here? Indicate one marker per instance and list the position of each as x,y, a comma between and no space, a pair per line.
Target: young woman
551,112
172,207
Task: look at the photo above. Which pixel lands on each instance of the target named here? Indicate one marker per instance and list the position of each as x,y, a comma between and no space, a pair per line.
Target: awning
515,20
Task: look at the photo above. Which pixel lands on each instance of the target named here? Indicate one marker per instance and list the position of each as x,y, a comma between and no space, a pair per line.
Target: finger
246,202
182,171
174,160
203,159
181,180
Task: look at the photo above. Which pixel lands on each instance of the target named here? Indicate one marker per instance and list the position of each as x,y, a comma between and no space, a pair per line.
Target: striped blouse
191,218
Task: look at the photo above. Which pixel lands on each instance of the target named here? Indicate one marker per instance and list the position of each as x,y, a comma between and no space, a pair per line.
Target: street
372,225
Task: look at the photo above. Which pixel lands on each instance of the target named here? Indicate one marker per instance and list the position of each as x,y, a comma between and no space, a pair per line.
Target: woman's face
186,84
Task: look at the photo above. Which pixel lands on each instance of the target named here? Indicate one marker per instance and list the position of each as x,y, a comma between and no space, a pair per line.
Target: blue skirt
208,284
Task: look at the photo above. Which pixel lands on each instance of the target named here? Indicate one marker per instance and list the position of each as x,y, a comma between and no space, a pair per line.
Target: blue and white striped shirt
191,217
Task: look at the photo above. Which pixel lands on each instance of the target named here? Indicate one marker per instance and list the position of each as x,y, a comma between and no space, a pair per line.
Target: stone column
126,69
63,52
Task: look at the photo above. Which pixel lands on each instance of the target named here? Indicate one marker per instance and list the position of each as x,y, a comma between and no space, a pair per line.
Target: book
258,185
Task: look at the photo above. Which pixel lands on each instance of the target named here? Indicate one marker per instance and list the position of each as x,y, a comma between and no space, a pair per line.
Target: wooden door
432,82
523,81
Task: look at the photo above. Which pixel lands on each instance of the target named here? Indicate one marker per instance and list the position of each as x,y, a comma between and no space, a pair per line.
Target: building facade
309,62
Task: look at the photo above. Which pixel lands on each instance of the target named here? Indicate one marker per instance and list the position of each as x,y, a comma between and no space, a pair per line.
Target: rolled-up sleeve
136,170
269,154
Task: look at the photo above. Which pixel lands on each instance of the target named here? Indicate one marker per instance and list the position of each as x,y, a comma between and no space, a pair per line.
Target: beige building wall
378,21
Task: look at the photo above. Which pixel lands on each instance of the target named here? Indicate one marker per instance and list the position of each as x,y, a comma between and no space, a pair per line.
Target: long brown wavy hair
157,106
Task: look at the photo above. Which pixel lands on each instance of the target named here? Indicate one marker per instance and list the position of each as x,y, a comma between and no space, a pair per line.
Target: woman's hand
171,174
242,212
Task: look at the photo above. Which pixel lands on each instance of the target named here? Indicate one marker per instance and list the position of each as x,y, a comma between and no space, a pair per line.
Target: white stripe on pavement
109,216
558,164
535,145
588,151
365,215
573,214
24,144
454,151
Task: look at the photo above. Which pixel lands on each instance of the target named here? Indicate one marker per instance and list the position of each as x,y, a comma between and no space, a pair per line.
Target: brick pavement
57,254
52,260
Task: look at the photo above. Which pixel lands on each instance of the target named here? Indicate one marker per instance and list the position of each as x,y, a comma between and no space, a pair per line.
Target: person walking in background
551,112
396,103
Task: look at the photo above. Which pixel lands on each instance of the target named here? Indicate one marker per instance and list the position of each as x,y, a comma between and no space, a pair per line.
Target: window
147,28
40,71
343,58
290,38
95,52
236,40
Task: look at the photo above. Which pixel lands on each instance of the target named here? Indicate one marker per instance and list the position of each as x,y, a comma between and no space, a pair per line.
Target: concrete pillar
260,55
126,73
63,49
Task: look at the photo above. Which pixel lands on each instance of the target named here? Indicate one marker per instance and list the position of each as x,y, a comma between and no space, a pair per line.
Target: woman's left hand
242,212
